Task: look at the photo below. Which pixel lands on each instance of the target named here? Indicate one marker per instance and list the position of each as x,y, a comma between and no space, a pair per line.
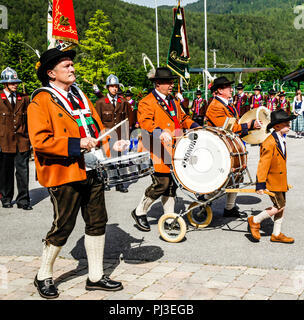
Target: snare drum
204,160
127,168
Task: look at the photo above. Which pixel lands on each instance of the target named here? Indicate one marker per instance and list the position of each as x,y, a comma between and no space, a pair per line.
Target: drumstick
248,191
108,132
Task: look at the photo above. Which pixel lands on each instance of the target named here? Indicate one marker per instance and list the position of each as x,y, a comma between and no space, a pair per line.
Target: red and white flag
62,31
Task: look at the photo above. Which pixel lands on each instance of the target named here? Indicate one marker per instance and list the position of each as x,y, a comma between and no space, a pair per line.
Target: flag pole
206,50
157,42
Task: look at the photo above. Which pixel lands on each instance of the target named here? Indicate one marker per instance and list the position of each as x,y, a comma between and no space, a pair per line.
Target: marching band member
112,109
62,121
161,118
14,142
272,176
256,100
199,108
133,124
240,100
218,111
283,103
271,100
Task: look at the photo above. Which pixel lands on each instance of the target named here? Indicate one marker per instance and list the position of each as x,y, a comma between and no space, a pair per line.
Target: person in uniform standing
240,100
14,142
218,111
272,176
199,108
112,109
62,123
256,100
283,103
161,119
271,100
132,111
298,109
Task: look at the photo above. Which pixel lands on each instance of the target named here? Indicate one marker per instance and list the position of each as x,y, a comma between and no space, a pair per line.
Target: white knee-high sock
168,204
144,206
49,255
230,201
277,225
261,216
94,246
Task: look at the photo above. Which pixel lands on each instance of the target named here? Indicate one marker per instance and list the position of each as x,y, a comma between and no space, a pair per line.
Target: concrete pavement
219,262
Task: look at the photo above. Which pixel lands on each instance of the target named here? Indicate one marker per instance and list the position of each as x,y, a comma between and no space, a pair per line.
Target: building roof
229,70
296,76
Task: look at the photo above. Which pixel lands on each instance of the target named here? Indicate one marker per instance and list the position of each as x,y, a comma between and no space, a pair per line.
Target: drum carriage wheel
199,216
172,227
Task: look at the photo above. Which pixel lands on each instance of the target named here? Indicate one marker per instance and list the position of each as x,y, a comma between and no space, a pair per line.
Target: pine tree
97,54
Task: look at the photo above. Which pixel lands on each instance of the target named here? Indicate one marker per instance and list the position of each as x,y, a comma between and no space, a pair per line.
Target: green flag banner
178,55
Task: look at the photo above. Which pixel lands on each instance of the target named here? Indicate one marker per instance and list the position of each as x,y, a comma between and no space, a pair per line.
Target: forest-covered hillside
241,39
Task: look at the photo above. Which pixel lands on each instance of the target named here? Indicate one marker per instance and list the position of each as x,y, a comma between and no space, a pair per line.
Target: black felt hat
163,73
279,116
240,86
128,93
49,59
259,88
220,83
272,92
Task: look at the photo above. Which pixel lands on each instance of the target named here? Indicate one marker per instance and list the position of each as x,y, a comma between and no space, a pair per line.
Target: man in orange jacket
218,111
162,119
62,122
272,176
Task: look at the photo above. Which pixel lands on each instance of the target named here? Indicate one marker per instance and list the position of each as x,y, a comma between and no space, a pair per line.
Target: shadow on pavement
38,195
119,245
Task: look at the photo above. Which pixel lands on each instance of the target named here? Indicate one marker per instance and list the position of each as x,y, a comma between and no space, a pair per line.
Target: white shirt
111,98
64,93
224,100
7,93
282,140
164,97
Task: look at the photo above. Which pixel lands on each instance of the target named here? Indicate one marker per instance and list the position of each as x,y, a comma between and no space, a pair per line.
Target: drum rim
173,171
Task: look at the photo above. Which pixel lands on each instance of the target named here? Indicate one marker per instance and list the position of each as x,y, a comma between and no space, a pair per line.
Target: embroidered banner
62,31
178,55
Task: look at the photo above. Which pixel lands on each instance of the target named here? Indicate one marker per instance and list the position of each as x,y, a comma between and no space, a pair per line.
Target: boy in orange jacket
272,176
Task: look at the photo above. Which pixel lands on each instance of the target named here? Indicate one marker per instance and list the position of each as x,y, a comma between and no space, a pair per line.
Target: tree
97,54
18,57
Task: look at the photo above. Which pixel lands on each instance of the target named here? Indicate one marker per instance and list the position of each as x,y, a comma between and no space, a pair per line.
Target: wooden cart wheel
171,227
200,217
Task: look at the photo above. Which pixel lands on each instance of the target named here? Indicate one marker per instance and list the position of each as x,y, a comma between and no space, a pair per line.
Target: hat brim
41,72
215,87
173,77
272,124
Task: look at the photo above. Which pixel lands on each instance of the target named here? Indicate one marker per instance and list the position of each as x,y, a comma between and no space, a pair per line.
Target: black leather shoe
233,213
121,188
105,283
24,206
46,288
141,221
7,205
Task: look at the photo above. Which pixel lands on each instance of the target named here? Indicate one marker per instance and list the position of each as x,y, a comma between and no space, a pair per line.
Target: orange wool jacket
154,119
272,171
55,137
218,112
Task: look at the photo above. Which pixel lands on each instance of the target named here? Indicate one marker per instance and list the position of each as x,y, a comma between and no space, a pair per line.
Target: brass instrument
262,115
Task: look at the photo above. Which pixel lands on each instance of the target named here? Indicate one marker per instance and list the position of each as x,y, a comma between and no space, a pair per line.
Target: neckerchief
197,105
82,116
271,103
230,108
170,109
256,101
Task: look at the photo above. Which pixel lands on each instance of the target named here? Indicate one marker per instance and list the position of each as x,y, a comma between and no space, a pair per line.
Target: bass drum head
201,161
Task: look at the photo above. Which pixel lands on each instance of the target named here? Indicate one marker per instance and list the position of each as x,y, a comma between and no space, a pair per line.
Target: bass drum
205,159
